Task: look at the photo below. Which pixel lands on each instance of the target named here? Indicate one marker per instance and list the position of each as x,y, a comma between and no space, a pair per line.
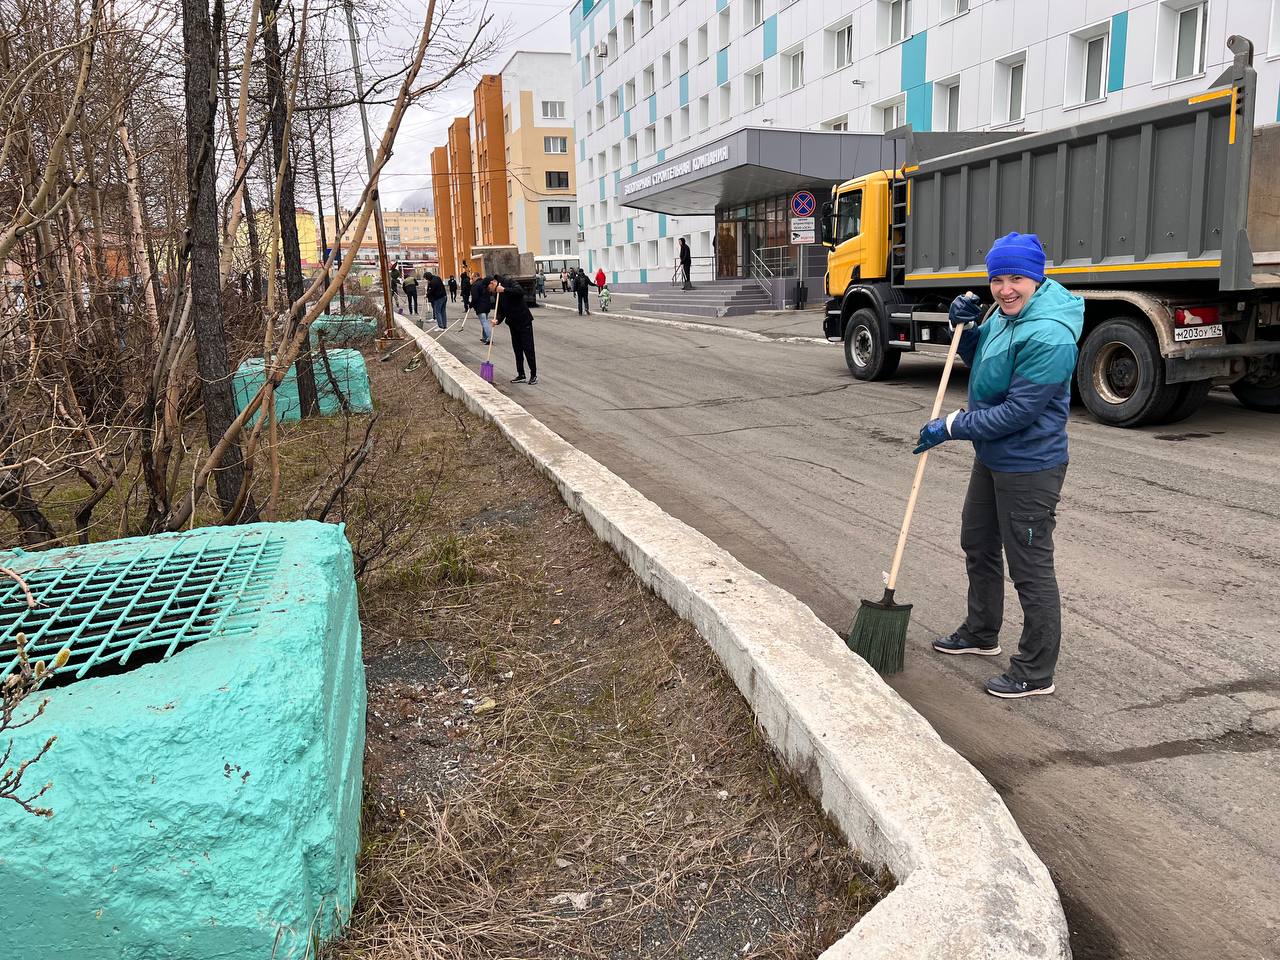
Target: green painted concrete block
348,370
204,802
341,329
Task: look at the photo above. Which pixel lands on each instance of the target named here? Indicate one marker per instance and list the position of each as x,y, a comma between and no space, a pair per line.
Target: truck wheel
1189,398
1259,389
1121,374
864,347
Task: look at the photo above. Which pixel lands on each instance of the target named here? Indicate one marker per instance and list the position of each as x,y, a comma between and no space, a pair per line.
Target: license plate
1206,332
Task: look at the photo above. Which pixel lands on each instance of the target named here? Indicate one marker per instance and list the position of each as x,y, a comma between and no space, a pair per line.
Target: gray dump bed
1153,195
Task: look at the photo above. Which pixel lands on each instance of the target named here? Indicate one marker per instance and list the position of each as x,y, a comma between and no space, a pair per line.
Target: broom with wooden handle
879,631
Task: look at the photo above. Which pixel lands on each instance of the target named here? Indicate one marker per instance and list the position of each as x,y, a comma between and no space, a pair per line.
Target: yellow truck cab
1160,217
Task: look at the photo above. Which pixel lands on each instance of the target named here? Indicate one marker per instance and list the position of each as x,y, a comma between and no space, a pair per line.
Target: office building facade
686,112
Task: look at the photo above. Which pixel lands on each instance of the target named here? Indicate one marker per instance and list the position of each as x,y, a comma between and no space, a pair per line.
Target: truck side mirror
828,227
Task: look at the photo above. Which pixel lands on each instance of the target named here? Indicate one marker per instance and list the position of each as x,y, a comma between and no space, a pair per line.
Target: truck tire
1259,388
1190,397
1121,374
865,352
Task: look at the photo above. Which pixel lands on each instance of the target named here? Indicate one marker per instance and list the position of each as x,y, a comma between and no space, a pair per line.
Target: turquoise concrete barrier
343,329
205,803
348,371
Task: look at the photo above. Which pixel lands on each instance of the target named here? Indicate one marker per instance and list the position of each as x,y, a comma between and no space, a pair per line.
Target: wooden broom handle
924,458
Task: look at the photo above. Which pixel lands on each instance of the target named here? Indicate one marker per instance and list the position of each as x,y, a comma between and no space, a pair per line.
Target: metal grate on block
115,611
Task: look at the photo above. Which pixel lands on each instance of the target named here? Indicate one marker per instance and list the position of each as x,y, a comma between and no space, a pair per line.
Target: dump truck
1165,219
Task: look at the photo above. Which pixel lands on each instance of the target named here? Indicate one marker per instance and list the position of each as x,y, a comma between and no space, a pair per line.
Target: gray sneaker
957,644
1007,688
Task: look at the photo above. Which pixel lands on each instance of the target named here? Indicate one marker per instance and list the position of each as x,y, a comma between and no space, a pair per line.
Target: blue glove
935,432
965,308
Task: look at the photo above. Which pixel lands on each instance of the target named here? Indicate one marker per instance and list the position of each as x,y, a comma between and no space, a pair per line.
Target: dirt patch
556,765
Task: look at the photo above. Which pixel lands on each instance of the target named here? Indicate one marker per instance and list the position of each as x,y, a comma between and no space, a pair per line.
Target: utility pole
389,331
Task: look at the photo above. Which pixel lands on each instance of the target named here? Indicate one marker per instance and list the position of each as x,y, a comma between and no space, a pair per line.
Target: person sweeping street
512,310
1020,364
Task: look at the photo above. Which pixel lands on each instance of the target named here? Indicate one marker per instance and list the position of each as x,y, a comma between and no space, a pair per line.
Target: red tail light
1195,316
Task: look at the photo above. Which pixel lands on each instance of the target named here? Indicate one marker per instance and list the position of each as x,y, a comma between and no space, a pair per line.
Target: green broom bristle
879,633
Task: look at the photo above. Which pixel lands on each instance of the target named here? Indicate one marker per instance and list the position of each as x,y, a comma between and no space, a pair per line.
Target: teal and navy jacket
1020,382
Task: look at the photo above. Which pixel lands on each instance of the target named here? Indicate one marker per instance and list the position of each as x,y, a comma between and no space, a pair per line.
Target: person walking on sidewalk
482,303
438,299
582,287
410,285
453,288
564,281
512,310
464,285
394,277
600,279
686,263
1020,363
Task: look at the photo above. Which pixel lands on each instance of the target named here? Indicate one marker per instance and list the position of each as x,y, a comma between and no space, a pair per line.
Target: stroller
605,299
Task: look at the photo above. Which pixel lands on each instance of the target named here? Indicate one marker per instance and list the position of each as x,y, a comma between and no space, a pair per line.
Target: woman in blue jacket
1020,364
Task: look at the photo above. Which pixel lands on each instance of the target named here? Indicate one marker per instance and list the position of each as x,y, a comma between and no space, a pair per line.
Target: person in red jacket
600,279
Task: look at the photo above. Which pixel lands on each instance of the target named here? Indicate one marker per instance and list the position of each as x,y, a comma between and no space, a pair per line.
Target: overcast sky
530,25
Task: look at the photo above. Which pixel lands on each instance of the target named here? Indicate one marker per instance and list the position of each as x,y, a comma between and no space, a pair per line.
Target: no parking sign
803,204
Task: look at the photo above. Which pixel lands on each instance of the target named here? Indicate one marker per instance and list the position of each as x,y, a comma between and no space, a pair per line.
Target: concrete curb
969,885
694,326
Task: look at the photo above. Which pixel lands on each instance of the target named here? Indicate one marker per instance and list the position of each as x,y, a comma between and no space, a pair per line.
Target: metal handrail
757,267
677,276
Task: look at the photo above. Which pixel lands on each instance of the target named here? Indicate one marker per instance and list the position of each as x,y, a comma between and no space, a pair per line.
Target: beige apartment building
517,173
411,235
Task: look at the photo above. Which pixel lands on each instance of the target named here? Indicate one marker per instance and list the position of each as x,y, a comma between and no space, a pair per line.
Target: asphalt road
1150,783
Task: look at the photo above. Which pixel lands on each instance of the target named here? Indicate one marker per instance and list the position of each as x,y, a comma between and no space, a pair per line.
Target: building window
646,16
628,31
724,28
946,104
633,149
647,82
615,105
838,124
559,248
892,114
704,112
666,68
684,123
840,45
599,115
754,14
1180,40
667,138
682,57
793,69
703,45
1087,65
726,101
555,144
552,109
613,45
895,21
557,179
1010,106
953,8
629,94
665,8
650,139
558,214
755,89
616,154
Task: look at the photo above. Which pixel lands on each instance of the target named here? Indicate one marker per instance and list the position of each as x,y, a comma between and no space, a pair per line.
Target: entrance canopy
752,163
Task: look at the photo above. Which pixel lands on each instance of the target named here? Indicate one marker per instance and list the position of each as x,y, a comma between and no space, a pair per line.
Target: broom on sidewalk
879,631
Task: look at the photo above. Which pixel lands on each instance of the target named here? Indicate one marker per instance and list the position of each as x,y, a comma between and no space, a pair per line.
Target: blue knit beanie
1016,253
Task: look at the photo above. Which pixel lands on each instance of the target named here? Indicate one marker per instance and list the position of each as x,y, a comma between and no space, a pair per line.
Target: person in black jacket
482,303
438,298
582,287
686,263
464,284
410,284
453,289
512,310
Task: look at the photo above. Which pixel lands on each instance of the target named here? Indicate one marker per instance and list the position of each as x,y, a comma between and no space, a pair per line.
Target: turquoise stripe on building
582,149
771,37
644,275
602,188
721,4
722,67
1119,37
614,281
635,167
626,124
684,89
913,54
599,92
579,218
608,234
662,156
919,93
653,109
662,219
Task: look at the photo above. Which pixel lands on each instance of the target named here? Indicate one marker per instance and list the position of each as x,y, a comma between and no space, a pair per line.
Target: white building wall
636,246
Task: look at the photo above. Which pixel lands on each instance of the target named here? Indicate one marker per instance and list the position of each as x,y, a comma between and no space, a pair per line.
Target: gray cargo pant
1015,512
